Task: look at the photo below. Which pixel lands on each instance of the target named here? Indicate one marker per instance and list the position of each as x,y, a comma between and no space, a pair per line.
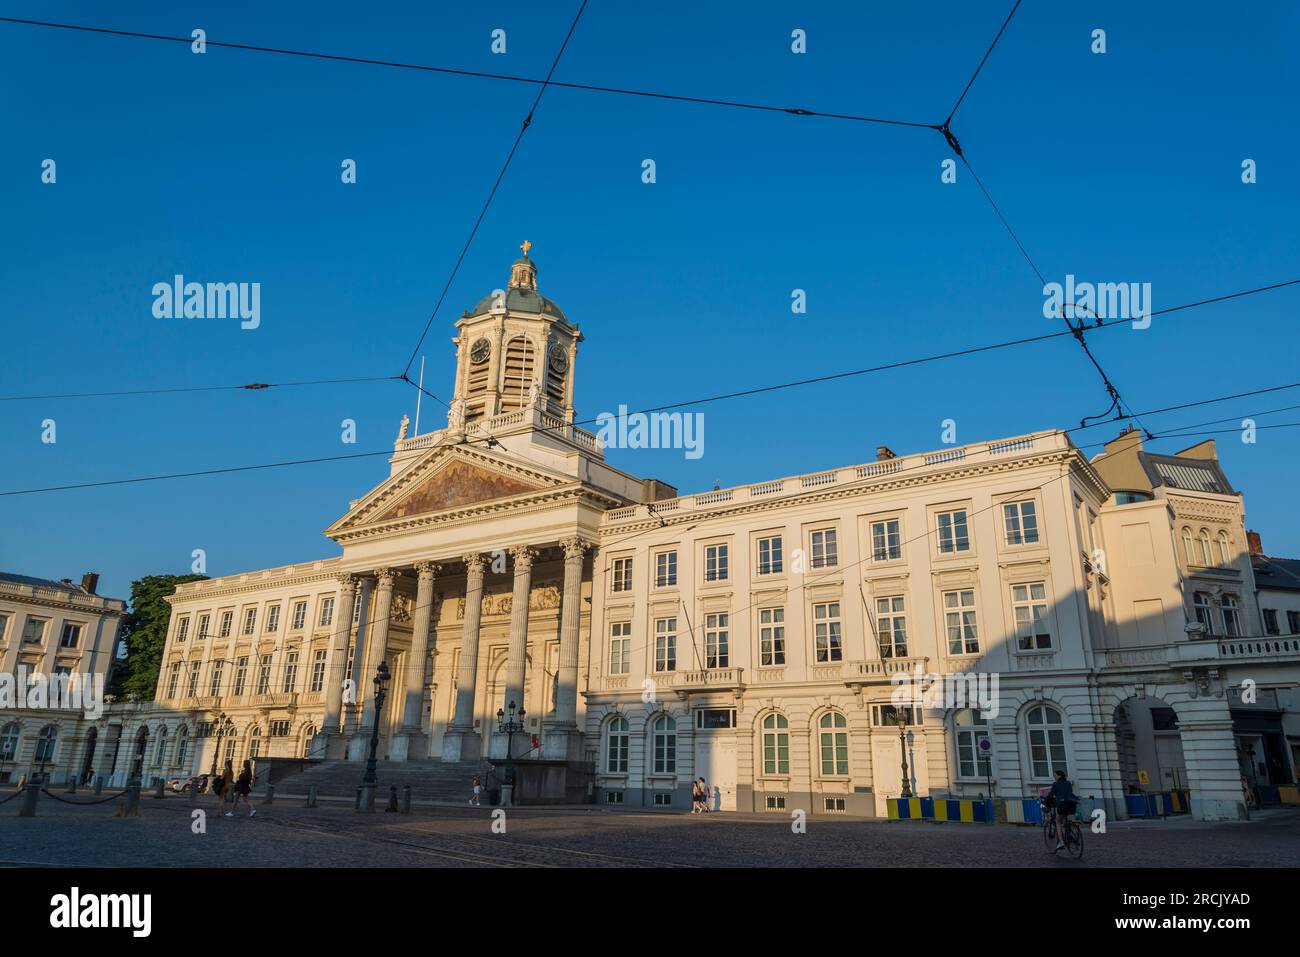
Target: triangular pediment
448,480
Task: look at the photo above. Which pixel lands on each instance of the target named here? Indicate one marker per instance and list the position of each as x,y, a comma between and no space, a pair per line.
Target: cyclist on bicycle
1062,796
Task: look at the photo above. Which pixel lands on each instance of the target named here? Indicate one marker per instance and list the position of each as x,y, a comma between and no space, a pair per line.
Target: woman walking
221,784
243,788
478,790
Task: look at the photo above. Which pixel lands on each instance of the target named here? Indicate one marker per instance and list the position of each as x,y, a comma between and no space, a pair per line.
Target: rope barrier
111,797
14,795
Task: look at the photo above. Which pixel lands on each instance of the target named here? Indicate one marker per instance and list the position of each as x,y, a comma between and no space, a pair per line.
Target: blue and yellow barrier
939,809
1160,804
1288,794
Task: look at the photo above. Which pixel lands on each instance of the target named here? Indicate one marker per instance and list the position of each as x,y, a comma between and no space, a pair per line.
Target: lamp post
216,751
900,719
366,797
509,725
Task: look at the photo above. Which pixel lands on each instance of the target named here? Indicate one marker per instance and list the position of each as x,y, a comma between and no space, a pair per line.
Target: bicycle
1073,838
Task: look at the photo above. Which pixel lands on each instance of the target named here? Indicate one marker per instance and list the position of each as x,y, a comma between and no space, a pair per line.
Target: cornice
43,602
262,584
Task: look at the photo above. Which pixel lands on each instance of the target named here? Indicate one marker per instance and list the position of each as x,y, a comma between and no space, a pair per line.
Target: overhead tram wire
492,195
480,74
987,54
389,452
248,387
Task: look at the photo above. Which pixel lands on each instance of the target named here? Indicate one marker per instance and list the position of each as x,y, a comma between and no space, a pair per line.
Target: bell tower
514,350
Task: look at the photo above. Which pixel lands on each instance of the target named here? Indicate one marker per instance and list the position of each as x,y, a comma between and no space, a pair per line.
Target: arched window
1187,546
517,374
834,743
160,752
46,744
308,734
776,744
616,760
254,742
9,737
1231,616
970,729
1046,741
230,746
182,746
1201,607
1206,558
1225,550
665,745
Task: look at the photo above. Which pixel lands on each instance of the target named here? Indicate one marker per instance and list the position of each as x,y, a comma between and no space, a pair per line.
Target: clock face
559,359
480,351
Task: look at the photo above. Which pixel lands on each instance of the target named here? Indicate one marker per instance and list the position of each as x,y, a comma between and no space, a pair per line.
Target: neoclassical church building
1101,614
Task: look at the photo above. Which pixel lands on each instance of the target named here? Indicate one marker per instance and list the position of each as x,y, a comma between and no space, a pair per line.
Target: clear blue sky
1119,167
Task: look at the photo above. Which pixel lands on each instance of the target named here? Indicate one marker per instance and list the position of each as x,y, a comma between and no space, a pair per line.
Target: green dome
519,299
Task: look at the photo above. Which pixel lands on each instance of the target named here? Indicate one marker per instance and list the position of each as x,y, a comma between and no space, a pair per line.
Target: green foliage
144,629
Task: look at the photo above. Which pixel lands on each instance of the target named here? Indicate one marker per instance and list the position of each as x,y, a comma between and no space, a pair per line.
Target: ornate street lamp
510,725
216,751
900,719
381,692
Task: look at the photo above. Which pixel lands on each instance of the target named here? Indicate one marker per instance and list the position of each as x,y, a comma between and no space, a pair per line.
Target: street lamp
216,751
900,719
369,781
510,726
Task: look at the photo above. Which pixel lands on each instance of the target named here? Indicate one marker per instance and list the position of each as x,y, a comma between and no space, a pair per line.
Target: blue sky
225,167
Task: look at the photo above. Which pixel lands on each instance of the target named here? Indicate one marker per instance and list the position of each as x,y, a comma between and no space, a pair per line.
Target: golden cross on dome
525,246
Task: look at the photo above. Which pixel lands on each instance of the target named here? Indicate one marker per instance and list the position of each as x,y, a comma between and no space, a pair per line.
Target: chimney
1254,542
89,582
884,452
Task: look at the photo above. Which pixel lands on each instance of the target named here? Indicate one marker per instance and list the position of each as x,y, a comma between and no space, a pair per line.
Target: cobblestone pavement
285,834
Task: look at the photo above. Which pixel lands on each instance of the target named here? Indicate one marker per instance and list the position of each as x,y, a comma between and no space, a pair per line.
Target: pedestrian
705,797
221,784
478,790
696,797
243,788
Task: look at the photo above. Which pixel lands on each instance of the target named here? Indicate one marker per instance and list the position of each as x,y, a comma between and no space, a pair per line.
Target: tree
144,632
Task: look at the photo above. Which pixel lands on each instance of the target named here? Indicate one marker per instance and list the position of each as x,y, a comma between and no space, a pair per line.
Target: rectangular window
622,574
663,799
620,648
272,618
263,675
1271,626
971,729
613,797
885,715
717,645
299,615
834,804
173,679
825,554
665,569
891,626
826,631
204,620
241,675
318,669
774,803
279,729
665,644
715,719
1293,624
192,686
1231,616
886,541
1021,521
771,636
182,629
1029,603
4,626
352,654
953,536
769,555
715,563
290,672
959,617
250,621
327,612
227,618
71,636
214,680
34,631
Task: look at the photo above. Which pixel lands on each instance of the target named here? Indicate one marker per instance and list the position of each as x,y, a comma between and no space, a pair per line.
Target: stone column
461,742
377,647
337,660
352,694
411,733
560,740
524,557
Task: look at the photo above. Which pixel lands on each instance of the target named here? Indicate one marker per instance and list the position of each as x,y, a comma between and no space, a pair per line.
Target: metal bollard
365,798
72,784
311,796
30,794
132,806
99,784
158,788
392,798
406,799
270,794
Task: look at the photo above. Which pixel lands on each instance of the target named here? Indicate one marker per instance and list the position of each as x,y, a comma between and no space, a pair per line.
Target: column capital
575,547
524,556
385,577
475,562
427,570
347,581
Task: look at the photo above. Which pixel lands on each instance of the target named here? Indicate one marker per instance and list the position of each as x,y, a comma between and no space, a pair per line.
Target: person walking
696,797
704,796
478,790
221,784
243,788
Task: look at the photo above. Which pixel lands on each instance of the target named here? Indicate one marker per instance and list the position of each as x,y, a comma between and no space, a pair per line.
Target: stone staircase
430,780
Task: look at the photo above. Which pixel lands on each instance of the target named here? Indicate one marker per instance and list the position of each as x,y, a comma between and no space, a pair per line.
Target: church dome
521,294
